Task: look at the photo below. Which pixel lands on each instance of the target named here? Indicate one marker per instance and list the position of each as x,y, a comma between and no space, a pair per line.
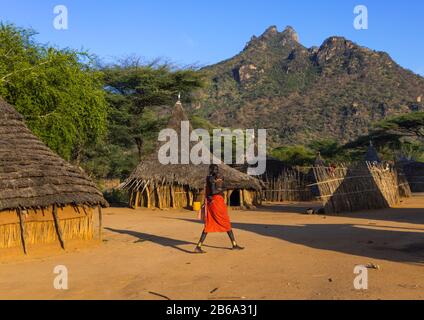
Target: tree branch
23,70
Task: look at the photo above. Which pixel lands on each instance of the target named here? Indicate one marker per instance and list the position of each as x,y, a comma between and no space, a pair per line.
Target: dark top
214,186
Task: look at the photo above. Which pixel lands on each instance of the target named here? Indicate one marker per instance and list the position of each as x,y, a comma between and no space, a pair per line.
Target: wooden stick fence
291,185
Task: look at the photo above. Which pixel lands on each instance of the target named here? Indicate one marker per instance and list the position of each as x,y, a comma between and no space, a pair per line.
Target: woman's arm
216,185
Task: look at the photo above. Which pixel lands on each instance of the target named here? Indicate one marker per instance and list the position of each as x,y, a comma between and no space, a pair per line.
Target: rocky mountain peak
273,37
270,31
340,88
290,34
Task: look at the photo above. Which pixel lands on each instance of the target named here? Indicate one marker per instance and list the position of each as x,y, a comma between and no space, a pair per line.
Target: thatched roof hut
372,154
153,184
319,161
274,167
39,191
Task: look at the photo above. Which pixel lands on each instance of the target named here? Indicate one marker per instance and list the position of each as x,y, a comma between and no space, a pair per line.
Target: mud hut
43,199
153,185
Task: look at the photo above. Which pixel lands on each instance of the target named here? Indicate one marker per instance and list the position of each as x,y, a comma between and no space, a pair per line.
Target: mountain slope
302,94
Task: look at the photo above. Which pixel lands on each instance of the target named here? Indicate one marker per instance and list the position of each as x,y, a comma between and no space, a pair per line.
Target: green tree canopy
401,135
294,155
58,91
135,90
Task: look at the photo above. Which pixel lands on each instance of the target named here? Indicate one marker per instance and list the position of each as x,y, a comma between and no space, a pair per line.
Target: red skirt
217,218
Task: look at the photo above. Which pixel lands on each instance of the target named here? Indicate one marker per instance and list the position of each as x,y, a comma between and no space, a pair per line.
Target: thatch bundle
36,183
363,186
178,186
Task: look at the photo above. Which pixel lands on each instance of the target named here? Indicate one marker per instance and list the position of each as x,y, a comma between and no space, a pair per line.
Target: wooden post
173,204
100,223
58,228
149,205
131,200
22,228
158,193
227,197
137,199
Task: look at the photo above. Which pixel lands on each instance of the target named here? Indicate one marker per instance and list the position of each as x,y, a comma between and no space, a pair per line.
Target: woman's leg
200,243
233,241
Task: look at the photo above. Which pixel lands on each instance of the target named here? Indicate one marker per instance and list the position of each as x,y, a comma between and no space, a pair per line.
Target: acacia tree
402,134
135,89
58,91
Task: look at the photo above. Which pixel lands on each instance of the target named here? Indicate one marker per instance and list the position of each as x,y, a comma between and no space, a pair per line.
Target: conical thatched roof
319,161
372,154
33,176
194,176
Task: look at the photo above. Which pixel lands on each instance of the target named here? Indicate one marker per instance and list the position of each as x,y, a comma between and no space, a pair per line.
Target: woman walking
216,212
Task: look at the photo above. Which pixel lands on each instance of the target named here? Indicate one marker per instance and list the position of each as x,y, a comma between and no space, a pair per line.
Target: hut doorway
235,199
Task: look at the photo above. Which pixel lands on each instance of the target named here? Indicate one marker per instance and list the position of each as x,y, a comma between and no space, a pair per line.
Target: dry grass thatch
32,176
364,186
39,227
151,172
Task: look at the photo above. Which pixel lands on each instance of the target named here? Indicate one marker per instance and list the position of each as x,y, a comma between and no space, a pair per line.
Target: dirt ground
147,255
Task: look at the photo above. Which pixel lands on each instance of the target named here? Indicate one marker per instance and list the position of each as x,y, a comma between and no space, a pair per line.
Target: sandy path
287,256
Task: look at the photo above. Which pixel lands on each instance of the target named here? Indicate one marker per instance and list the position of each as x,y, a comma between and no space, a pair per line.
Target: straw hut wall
153,185
365,186
43,199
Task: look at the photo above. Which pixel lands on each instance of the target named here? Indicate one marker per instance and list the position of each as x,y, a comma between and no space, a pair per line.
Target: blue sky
206,31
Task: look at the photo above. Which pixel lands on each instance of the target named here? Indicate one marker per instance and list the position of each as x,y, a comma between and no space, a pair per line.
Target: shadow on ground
163,241
404,215
376,242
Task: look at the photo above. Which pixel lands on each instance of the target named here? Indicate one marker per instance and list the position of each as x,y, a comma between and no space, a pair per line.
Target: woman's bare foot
199,250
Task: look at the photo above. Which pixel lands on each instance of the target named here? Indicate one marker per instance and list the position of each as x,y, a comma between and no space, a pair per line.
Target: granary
154,185
43,199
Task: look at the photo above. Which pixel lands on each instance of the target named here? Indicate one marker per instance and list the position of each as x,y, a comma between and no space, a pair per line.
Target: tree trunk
139,143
